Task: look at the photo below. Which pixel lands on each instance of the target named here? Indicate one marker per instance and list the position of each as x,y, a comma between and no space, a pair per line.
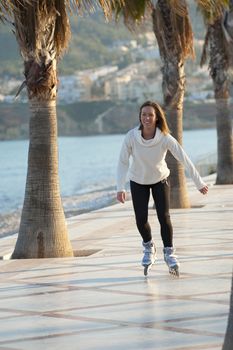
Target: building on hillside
9,85
78,87
121,45
74,88
150,38
9,98
142,53
133,88
116,88
98,73
136,82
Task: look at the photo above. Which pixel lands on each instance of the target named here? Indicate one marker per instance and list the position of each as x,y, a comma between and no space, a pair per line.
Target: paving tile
132,338
103,301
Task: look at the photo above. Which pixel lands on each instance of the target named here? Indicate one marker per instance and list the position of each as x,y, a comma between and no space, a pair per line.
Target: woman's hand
204,190
121,196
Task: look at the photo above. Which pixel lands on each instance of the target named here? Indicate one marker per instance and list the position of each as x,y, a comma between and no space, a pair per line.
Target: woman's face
148,117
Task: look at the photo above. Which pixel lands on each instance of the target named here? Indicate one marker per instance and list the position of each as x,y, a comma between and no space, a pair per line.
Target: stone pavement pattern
102,300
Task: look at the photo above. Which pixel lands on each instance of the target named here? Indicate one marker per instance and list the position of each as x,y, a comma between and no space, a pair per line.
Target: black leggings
161,195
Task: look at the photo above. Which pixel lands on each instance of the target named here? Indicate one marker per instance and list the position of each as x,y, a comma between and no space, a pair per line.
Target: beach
74,205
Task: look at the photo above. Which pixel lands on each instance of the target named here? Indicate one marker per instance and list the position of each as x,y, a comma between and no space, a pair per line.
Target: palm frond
173,29
107,6
205,48
8,6
43,30
178,7
133,12
212,9
216,15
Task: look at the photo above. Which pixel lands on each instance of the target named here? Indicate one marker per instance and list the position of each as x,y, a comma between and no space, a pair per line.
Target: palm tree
7,6
166,18
219,37
174,35
228,341
42,31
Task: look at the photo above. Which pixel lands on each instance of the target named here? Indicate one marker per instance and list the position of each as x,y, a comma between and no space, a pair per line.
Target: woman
148,145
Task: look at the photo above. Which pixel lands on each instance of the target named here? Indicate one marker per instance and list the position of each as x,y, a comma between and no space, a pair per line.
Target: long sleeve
123,163
177,151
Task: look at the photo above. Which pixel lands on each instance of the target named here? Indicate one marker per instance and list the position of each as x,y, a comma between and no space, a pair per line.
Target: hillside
90,44
90,47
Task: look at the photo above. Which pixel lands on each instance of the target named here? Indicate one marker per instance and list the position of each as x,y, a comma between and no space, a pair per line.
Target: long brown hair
160,114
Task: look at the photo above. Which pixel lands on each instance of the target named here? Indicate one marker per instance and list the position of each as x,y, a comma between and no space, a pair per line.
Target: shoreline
73,206
186,128
78,205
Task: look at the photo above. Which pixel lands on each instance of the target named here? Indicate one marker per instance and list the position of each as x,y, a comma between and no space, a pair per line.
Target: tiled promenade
103,301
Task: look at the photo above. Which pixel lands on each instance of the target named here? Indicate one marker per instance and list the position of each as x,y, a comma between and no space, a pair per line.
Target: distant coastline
97,118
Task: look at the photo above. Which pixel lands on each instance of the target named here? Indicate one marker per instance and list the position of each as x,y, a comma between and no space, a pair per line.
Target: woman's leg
161,196
140,197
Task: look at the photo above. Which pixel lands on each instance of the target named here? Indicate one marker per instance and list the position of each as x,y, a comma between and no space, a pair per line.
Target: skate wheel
174,271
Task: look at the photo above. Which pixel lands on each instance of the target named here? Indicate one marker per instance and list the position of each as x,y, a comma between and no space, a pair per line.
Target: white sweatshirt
148,159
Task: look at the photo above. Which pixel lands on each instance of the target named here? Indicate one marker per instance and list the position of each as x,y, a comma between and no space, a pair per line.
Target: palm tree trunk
225,143
173,90
171,52
228,341
218,71
43,231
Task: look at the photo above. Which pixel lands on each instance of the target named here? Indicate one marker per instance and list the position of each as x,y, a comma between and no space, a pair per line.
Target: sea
87,171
